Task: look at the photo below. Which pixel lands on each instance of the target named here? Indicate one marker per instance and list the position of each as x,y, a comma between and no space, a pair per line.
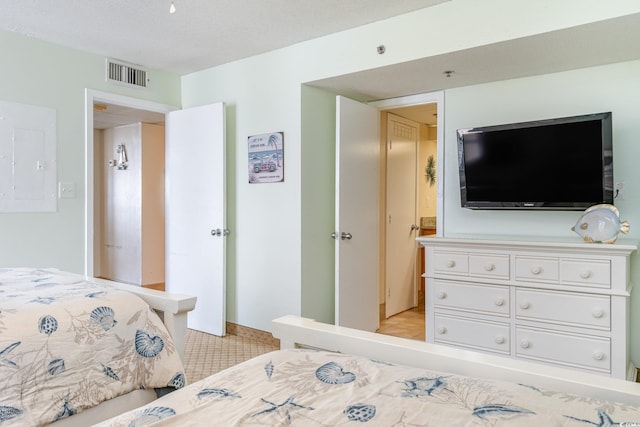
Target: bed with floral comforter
68,344
317,388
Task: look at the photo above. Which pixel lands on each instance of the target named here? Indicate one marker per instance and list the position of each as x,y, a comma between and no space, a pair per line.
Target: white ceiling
106,116
199,35
600,43
205,33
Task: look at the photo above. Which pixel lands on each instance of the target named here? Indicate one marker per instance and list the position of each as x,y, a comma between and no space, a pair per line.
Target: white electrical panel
27,158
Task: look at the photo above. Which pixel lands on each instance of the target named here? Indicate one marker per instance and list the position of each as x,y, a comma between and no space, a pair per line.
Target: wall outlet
618,192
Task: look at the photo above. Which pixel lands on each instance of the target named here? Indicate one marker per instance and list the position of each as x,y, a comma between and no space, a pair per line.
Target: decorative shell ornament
600,224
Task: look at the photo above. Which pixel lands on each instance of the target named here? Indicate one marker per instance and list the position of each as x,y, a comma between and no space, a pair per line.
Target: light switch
66,190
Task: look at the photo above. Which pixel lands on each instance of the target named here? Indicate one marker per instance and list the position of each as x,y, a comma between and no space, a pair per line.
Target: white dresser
558,302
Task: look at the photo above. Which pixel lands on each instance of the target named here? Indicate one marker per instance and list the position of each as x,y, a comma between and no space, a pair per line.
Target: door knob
343,236
414,227
346,236
218,232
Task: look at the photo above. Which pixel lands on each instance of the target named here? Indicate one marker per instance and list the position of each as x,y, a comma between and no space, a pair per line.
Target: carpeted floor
207,354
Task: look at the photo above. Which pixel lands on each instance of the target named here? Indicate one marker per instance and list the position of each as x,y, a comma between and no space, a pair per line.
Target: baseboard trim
254,334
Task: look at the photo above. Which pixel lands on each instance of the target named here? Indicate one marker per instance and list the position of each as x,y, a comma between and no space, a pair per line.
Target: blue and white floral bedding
315,388
68,345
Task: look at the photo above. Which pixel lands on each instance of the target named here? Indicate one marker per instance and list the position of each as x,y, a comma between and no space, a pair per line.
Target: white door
401,213
195,212
357,247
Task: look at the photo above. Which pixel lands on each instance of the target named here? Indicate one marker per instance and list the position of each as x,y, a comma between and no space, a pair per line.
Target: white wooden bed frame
173,310
296,331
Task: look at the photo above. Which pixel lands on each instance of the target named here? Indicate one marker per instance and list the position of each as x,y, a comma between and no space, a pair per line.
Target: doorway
108,111
129,195
406,319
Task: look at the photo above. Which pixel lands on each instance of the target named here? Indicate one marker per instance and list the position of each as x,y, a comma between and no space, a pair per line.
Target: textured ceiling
205,33
199,35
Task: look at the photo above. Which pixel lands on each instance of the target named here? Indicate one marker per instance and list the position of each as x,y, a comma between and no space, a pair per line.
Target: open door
357,242
195,213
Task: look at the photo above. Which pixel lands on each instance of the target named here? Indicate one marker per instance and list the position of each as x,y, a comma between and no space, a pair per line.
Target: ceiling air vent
126,74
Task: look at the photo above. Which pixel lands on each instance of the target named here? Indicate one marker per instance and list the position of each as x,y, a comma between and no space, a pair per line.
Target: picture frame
266,158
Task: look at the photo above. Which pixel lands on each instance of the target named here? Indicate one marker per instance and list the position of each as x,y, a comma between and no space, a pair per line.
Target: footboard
293,330
172,308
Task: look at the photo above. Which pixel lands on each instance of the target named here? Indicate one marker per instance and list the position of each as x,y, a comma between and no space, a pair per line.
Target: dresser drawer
490,265
536,268
486,299
567,349
451,262
472,333
596,273
568,308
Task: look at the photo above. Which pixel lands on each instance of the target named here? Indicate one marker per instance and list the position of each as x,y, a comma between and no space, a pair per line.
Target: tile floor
408,324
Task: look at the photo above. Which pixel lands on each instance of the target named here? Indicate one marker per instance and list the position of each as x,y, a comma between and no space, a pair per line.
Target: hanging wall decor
266,158
430,170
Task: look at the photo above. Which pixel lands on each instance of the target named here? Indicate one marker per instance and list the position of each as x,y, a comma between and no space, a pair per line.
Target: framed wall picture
266,158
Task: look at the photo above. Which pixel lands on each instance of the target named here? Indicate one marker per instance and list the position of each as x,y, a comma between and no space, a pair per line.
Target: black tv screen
556,164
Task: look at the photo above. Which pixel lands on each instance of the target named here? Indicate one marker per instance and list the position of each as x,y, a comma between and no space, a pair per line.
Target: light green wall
42,74
614,88
318,203
274,268
264,247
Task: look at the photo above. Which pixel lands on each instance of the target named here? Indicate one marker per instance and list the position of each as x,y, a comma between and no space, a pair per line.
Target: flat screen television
556,164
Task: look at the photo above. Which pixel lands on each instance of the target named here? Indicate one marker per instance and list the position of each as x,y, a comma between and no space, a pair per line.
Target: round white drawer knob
451,263
524,305
585,274
442,295
525,344
598,355
536,270
500,339
598,313
489,267
499,302
442,330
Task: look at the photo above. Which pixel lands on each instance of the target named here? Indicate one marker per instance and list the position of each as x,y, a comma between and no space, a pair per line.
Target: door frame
92,96
414,100
419,99
387,234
